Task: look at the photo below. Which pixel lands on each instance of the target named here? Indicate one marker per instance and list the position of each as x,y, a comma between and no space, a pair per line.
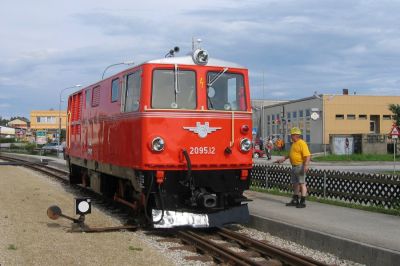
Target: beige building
18,123
322,116
47,120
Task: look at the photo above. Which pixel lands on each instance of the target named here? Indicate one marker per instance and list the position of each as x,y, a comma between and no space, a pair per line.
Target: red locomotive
170,137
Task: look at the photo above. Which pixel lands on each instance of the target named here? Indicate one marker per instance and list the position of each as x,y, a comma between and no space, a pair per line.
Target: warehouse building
322,117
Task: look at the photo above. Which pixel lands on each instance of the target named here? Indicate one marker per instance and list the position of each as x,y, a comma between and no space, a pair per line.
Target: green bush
13,147
30,148
6,140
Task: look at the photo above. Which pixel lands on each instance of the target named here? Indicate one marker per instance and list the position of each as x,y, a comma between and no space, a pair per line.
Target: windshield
174,89
226,92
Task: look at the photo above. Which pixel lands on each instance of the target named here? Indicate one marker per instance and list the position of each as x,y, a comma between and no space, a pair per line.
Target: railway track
117,209
222,245
40,167
227,246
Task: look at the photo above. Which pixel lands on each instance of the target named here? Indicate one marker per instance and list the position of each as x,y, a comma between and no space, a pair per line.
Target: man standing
279,144
299,156
268,147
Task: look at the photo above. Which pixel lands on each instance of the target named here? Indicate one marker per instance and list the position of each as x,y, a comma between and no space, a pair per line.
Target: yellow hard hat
295,131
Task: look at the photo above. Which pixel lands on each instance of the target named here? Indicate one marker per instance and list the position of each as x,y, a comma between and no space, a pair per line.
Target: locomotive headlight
200,57
245,145
157,144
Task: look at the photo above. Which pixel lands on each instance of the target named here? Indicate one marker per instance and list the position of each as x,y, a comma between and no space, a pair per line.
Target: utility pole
263,86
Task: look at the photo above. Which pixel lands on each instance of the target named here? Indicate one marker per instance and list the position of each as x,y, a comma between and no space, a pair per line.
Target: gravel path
29,237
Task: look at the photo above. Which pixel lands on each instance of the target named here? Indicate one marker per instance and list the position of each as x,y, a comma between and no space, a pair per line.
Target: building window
387,117
308,138
362,117
114,90
301,113
294,114
339,117
351,117
46,119
288,115
372,126
308,113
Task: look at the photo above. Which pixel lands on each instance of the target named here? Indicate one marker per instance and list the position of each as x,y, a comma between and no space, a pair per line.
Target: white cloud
298,46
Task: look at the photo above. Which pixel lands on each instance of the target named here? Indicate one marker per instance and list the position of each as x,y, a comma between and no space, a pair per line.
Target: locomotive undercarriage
211,197
204,191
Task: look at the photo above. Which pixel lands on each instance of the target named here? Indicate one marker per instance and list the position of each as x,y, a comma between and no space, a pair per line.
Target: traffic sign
394,132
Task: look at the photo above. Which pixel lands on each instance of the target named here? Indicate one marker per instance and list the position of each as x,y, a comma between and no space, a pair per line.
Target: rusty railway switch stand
54,212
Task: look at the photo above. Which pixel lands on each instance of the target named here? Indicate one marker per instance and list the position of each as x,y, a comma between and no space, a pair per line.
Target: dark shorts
297,174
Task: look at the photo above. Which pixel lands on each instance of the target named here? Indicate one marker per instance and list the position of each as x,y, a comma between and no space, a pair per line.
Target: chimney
345,91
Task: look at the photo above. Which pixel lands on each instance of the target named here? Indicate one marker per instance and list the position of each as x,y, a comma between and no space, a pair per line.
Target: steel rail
54,172
61,175
218,252
289,258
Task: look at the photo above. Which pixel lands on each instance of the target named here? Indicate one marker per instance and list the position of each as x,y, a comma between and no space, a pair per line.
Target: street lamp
59,115
122,63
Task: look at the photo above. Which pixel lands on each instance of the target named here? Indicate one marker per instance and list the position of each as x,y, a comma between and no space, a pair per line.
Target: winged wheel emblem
202,130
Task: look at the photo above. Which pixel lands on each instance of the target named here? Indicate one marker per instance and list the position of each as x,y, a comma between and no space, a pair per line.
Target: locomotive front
196,146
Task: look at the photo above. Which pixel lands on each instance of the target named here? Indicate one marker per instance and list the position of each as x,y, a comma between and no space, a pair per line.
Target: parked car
53,147
257,153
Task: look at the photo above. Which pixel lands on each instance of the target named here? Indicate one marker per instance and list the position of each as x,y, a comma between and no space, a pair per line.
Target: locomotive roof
188,60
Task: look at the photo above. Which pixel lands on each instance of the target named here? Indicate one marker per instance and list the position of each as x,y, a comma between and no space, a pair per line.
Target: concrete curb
341,247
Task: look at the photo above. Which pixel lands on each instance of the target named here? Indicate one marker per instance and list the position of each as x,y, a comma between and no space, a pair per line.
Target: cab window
173,89
114,90
132,91
225,91
88,97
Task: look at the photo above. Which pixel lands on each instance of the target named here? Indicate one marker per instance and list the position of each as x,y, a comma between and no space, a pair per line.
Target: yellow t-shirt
298,152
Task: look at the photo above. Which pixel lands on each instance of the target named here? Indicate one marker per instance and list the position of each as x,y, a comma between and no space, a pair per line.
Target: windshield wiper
176,85
209,84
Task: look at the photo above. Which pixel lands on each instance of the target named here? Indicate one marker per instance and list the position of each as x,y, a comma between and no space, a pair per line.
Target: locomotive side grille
76,113
96,96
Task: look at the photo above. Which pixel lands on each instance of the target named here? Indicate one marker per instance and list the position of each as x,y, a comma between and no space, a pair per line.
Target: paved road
369,167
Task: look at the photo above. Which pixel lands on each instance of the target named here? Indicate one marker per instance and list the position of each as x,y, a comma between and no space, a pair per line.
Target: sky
292,48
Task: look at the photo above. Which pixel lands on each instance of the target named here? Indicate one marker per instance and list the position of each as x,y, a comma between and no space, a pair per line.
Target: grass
12,247
135,249
379,209
397,172
355,157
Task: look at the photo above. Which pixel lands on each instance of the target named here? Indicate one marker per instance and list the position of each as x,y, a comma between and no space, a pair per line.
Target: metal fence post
324,184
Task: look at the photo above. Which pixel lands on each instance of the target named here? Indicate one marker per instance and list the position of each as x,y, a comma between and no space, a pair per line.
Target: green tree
3,122
20,117
395,109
